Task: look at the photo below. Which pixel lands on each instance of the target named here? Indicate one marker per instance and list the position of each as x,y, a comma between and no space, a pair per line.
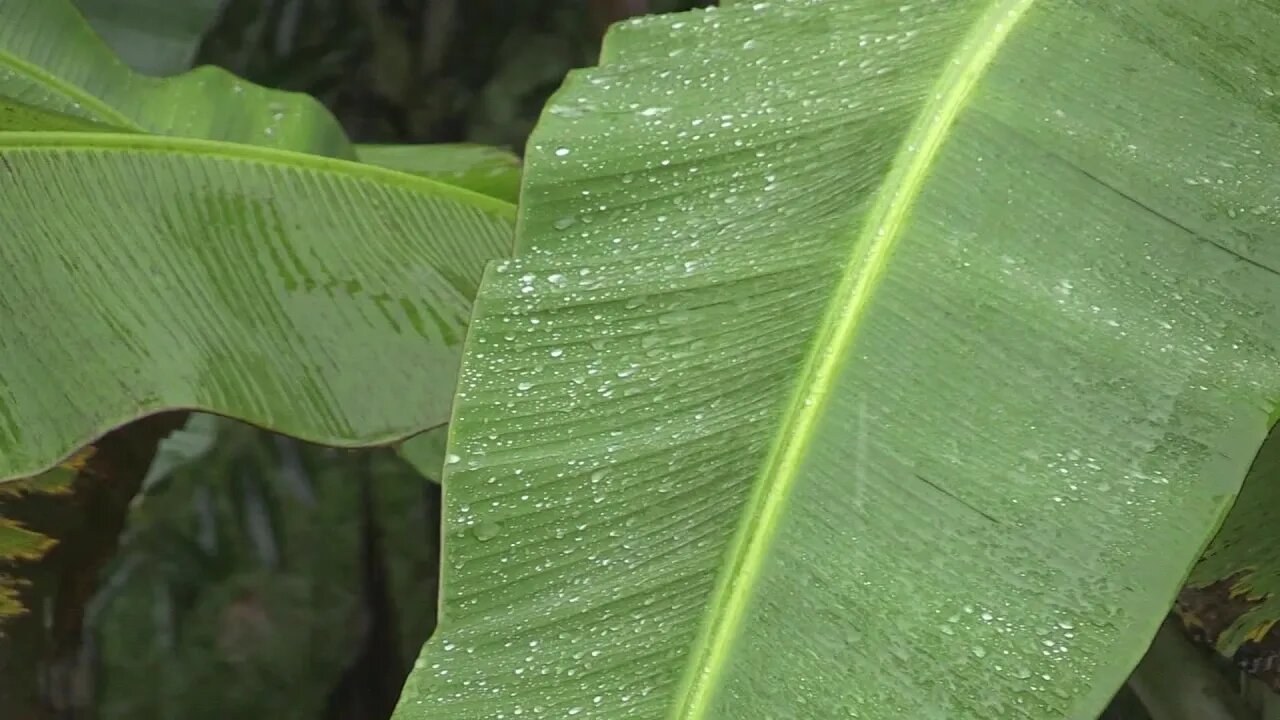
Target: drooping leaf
318,297
1232,599
51,59
487,170
863,359
156,37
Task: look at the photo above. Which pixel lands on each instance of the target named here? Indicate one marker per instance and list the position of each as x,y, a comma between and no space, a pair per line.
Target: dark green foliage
258,573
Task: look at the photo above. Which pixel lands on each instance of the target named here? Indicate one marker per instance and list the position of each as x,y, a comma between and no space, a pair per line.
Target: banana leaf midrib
95,141
72,92
872,248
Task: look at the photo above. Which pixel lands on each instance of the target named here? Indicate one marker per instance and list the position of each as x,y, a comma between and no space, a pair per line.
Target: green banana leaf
486,170
863,359
51,59
318,297
1232,599
16,116
156,37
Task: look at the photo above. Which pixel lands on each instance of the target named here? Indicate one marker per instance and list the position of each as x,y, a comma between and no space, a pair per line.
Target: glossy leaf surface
321,298
863,359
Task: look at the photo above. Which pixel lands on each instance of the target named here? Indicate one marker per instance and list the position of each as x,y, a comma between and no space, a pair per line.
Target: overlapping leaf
863,359
1232,599
157,37
322,298
50,58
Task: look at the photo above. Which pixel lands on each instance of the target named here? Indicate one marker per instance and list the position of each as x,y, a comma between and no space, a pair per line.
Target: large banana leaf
864,359
322,298
50,58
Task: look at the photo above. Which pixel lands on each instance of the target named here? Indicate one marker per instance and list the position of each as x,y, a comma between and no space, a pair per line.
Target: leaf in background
486,170
864,359
19,544
406,511
317,297
426,452
249,552
51,59
1232,599
77,510
156,37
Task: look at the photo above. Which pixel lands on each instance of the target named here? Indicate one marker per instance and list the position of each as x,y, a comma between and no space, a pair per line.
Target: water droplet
562,151
486,530
452,459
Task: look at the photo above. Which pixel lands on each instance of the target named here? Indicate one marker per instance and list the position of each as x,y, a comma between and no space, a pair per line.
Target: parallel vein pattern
1030,385
320,298
881,230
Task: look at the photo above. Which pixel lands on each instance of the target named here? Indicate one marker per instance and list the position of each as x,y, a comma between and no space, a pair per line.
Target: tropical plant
854,359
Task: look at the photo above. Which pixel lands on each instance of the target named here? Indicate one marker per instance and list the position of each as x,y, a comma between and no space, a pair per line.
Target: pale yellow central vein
872,249
80,97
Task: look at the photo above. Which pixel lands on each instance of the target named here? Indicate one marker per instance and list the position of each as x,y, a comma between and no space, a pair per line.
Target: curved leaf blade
51,59
321,298
904,388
